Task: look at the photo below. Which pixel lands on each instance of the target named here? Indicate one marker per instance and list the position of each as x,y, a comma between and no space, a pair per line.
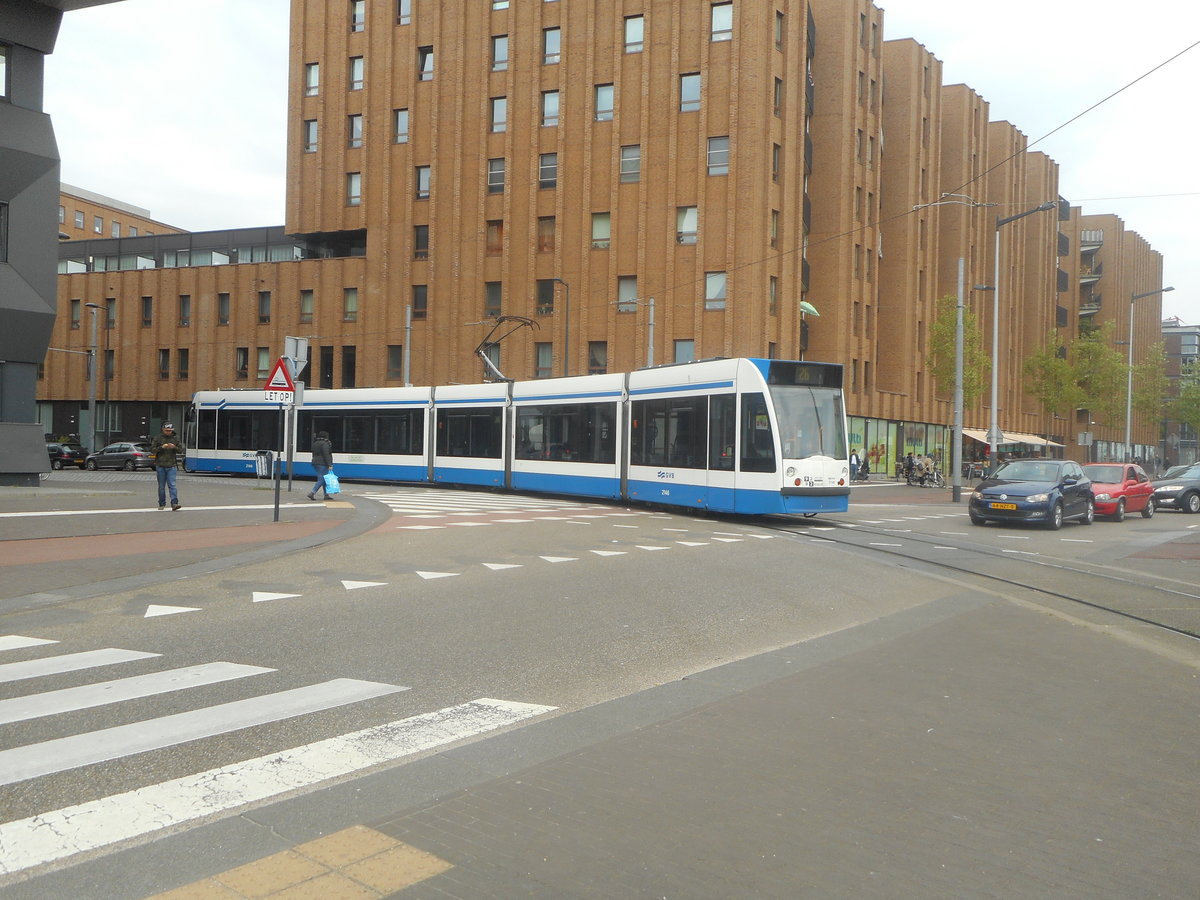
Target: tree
1150,384
1100,372
1186,407
977,365
1052,379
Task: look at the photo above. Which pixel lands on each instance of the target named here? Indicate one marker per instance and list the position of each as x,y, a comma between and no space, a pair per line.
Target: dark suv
66,454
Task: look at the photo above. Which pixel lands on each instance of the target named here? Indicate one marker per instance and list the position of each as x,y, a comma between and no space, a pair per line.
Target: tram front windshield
811,421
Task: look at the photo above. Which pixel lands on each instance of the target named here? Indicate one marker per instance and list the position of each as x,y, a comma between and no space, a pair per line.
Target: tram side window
758,445
469,432
577,432
206,429
248,431
358,435
401,434
722,431
670,432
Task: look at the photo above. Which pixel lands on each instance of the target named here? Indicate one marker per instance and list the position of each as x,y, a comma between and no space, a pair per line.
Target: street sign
279,387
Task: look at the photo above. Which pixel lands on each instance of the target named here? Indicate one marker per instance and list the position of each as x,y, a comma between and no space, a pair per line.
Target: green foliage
977,364
1186,407
1100,372
1150,384
1052,379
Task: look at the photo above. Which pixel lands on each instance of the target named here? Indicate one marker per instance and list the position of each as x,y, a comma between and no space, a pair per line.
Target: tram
748,436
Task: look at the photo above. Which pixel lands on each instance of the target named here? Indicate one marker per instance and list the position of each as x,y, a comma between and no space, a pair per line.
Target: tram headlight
791,472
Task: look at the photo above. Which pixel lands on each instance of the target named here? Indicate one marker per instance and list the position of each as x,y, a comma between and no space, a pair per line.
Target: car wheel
130,465
1148,509
1056,517
90,465
1191,502
56,464
1089,514
977,520
1119,515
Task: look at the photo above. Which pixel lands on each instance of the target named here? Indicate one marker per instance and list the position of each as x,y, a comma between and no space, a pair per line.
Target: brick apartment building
718,165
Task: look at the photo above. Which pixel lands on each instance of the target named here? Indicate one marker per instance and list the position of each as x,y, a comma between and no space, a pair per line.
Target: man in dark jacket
167,452
322,462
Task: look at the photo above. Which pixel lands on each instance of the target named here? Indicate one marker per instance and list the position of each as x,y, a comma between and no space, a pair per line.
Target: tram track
1165,604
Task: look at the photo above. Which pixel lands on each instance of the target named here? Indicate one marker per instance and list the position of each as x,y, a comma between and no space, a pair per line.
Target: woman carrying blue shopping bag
322,463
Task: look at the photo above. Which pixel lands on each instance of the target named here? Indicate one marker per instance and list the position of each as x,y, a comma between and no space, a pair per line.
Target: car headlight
1169,489
976,495
1037,498
1104,496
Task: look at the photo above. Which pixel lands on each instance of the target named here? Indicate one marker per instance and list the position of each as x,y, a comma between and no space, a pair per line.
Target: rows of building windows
721,22
98,224
629,171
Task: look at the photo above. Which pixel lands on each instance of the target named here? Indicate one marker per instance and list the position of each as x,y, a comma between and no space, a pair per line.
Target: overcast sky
180,106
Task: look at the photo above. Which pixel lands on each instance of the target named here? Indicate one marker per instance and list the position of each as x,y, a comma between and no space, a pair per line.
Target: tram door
722,451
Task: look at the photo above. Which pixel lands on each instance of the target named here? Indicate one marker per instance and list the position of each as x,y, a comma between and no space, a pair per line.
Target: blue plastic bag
331,484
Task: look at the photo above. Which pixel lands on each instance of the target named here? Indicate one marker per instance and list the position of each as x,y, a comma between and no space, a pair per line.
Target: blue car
1042,491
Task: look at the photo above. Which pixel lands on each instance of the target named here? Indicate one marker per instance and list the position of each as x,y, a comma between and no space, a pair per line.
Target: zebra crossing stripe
48,757
86,696
86,827
69,662
16,642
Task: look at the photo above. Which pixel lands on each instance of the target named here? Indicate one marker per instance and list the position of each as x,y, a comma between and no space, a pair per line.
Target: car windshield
1106,474
1028,470
145,448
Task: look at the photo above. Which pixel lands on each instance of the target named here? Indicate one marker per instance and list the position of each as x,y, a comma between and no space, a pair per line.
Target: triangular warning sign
280,378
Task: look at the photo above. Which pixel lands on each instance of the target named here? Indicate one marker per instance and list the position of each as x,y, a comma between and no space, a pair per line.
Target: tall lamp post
566,325
994,433
92,379
1129,374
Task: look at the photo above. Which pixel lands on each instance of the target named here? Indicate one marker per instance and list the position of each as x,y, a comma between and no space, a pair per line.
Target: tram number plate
1003,506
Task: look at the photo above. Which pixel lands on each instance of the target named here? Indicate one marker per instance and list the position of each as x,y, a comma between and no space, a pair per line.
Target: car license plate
1003,506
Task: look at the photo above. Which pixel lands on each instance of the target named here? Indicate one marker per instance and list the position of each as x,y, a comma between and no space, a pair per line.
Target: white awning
1010,437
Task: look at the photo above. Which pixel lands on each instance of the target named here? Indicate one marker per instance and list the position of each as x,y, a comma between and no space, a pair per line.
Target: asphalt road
448,597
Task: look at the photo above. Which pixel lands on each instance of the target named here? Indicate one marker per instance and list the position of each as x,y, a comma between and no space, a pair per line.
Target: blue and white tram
750,436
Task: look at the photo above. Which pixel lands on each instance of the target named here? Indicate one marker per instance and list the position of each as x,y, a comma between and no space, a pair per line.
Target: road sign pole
279,461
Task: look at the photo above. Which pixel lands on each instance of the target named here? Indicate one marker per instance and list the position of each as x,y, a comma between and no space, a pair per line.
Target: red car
1121,488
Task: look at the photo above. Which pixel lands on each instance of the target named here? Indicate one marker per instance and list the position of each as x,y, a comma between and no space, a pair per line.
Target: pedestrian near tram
322,462
167,453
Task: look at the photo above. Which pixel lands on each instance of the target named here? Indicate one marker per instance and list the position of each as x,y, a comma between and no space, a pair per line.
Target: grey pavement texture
970,747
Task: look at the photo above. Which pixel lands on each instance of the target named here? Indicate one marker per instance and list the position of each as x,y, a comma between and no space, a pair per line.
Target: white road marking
1077,540
358,585
142,509
1014,537
70,662
515,521
725,540
429,576
263,596
498,566
155,609
609,552
879,544
419,527
17,642
86,696
48,757
468,524
560,559
649,547
56,835
821,541
693,543
625,526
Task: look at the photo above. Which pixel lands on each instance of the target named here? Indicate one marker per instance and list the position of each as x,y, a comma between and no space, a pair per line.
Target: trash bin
264,462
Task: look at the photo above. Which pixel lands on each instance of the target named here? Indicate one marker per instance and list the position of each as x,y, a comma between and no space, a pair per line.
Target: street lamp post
994,426
566,325
92,379
1129,374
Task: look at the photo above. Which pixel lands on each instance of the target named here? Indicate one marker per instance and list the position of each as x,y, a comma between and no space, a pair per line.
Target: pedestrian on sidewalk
322,462
854,463
167,452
